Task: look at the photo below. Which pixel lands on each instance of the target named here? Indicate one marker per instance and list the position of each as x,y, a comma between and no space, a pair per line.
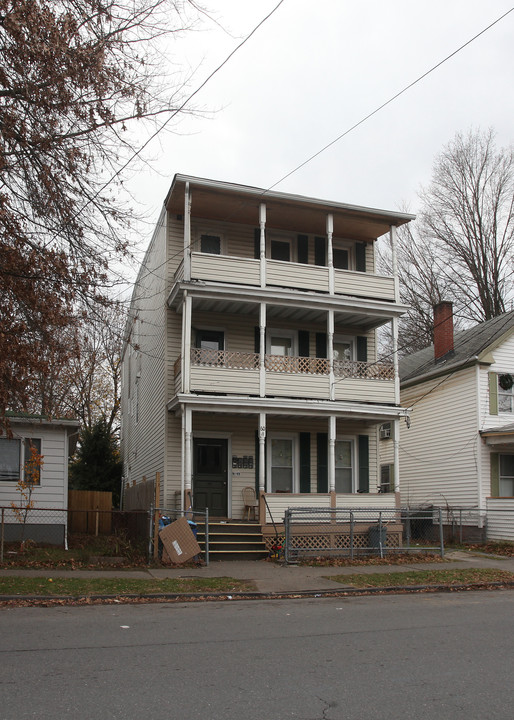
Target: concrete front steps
233,540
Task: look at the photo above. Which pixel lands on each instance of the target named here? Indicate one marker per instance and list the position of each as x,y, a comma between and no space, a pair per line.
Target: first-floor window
506,475
10,459
282,464
14,453
344,466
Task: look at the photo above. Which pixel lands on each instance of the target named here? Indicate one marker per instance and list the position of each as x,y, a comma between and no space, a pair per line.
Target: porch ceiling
229,202
286,306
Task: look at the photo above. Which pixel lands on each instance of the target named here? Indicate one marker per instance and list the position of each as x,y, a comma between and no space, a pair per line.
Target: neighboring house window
506,475
14,453
345,466
282,463
10,460
210,244
505,394
28,444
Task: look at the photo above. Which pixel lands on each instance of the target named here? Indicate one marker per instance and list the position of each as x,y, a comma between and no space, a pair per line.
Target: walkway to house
270,577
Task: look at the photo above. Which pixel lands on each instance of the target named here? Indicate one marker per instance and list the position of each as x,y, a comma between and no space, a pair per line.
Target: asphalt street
381,657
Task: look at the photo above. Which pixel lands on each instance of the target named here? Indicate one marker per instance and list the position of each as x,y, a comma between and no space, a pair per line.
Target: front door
210,476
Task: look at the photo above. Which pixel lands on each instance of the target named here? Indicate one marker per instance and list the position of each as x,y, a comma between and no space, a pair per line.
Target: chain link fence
361,531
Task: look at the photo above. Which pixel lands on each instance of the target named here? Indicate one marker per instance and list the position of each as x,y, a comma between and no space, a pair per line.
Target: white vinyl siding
438,452
52,491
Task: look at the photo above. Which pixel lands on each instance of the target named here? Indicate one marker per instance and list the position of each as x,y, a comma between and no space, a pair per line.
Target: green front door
210,476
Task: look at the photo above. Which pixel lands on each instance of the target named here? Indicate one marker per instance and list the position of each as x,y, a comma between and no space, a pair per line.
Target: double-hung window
282,463
506,475
505,396
345,465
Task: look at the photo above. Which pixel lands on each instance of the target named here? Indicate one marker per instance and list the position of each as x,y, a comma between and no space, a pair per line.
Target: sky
311,72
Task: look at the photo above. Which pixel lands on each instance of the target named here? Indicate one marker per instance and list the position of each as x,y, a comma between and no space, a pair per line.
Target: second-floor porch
229,372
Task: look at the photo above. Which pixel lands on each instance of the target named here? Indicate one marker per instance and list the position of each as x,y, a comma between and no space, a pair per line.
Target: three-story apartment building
251,355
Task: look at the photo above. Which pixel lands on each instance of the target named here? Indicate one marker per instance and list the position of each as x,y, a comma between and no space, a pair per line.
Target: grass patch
87,587
425,577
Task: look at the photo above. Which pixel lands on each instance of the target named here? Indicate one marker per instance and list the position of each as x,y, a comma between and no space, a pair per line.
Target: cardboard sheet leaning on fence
179,541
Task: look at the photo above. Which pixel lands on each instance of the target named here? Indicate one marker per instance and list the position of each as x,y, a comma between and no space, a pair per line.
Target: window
505,394
343,348
386,479
280,250
386,431
340,255
14,453
281,342
30,444
210,244
211,343
282,463
10,460
506,475
344,466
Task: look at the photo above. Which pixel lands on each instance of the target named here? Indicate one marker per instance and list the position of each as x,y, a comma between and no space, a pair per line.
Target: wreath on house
506,381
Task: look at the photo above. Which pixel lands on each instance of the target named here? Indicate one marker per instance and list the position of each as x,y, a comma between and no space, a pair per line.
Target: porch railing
292,365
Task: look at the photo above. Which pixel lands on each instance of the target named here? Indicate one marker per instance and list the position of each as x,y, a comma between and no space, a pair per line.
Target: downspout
394,328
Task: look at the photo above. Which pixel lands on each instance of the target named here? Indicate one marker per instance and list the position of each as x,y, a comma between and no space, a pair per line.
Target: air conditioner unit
385,432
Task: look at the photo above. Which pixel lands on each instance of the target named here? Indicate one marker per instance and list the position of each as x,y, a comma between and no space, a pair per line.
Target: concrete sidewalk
270,577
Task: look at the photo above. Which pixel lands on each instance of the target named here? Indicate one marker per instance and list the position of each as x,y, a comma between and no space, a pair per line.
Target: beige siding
438,454
364,285
144,386
353,389
225,380
296,275
296,385
221,268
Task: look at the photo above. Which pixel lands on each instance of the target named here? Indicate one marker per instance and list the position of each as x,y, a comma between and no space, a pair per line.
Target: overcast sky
311,72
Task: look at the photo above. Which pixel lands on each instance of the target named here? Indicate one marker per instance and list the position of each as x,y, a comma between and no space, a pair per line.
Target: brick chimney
443,330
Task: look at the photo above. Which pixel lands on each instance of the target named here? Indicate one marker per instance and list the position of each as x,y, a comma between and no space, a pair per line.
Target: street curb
284,595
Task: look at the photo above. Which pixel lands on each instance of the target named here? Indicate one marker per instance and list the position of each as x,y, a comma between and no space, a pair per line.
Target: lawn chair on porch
250,502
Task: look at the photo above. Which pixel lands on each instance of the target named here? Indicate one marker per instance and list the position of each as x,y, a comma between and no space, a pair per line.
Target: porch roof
219,200
294,408
499,436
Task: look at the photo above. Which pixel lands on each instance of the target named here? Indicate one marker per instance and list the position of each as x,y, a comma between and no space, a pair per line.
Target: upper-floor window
343,348
281,342
210,339
210,244
341,255
281,247
505,393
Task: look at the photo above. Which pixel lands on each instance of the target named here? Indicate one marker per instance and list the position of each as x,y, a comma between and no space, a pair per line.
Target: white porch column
182,460
332,453
394,262
262,350
262,452
330,354
396,450
187,311
188,447
262,225
187,234
330,254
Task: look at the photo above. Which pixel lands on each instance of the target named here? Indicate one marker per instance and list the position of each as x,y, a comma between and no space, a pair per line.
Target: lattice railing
224,358
307,365
368,371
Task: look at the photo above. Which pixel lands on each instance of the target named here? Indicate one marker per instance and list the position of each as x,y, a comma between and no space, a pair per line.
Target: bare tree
74,75
461,247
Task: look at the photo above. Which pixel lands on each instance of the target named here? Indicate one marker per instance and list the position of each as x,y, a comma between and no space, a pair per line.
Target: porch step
233,541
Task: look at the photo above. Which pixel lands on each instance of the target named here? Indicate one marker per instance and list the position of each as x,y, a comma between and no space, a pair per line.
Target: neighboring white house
55,441
251,356
459,449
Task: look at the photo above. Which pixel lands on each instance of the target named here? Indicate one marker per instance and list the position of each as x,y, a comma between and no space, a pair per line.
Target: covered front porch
298,453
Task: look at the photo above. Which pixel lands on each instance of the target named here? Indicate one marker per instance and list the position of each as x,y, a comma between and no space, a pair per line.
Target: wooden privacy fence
89,512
